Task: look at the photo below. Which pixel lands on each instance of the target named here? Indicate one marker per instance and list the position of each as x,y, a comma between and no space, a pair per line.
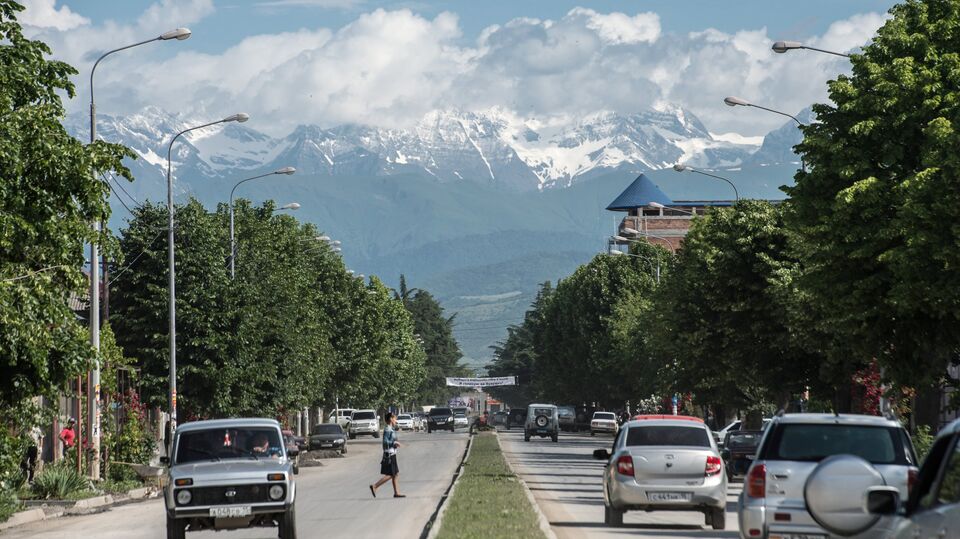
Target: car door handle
781,476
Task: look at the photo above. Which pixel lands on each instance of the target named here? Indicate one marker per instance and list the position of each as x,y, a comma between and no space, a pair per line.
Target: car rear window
543,411
327,428
668,436
566,411
815,442
364,415
744,439
441,411
604,415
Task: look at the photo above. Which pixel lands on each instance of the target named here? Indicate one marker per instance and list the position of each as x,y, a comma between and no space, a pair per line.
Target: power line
148,246
122,188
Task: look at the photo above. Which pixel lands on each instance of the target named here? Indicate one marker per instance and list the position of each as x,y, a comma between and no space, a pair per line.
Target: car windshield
345,413
604,415
566,411
228,443
813,443
327,428
440,411
403,416
668,436
364,415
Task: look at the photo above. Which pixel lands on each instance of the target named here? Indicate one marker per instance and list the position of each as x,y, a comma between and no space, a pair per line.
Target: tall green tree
50,193
877,212
517,355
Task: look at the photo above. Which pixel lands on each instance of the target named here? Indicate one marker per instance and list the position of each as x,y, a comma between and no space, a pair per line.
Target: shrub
922,441
8,502
59,481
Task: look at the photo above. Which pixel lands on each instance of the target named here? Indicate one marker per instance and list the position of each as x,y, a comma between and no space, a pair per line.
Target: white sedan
460,420
405,422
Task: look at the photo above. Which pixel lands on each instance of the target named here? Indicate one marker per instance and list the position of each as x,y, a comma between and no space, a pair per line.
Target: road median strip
489,500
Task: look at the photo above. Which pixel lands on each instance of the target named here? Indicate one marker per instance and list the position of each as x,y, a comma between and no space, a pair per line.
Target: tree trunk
926,410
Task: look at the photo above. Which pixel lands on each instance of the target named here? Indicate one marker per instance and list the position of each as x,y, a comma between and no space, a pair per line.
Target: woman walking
388,464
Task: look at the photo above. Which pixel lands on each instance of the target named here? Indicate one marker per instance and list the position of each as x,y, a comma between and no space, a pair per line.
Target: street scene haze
500,269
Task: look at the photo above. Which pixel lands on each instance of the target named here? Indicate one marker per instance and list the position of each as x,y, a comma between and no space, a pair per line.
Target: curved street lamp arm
108,53
825,51
792,117
246,180
735,192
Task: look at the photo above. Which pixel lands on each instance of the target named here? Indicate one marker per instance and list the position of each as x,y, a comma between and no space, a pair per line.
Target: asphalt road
567,483
332,500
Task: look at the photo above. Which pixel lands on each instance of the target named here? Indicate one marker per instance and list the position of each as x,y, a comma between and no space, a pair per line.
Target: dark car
739,450
500,418
440,419
328,435
517,417
584,414
568,415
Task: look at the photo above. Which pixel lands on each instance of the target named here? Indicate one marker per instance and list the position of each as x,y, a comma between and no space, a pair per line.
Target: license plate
669,496
230,512
797,536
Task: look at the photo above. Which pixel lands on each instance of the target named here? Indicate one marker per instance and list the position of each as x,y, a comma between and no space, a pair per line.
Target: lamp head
336,243
286,170
179,34
656,205
631,231
290,206
239,117
615,252
732,101
323,238
784,46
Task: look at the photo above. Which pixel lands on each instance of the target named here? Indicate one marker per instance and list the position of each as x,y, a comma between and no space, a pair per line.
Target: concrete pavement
567,483
332,500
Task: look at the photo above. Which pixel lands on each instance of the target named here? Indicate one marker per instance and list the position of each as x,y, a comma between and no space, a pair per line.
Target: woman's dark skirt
388,465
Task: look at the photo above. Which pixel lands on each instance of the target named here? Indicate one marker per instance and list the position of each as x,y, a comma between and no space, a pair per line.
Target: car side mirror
725,454
882,500
165,460
601,454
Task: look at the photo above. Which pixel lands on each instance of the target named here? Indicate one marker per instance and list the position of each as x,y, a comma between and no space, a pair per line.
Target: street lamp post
233,246
681,168
93,389
615,252
784,46
732,101
171,266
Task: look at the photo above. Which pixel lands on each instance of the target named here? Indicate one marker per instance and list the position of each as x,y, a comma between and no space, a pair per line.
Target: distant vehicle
364,422
405,422
584,414
721,434
328,435
420,421
604,422
541,421
739,450
568,417
791,451
343,416
460,420
517,417
440,419
230,474
664,464
500,418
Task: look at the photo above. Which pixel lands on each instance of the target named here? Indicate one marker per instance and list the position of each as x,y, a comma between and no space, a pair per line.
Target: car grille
244,494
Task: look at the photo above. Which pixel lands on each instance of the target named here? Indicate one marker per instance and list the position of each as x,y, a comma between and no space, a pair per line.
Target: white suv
772,504
364,422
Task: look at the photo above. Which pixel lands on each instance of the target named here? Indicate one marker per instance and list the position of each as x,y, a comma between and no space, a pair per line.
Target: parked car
605,422
343,416
541,421
420,420
568,416
460,420
584,414
328,435
739,450
931,510
660,463
794,446
364,422
405,422
230,474
440,419
517,417
721,435
500,418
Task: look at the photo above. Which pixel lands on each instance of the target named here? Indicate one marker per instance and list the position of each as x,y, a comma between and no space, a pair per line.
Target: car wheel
593,433
288,525
526,437
376,434
718,518
176,529
429,430
556,438
612,516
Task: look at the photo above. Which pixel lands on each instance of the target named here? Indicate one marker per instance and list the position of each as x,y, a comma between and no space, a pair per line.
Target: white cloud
390,67
44,14
324,4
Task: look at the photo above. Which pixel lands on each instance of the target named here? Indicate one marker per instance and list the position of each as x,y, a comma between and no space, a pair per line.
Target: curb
432,528
85,506
23,517
544,522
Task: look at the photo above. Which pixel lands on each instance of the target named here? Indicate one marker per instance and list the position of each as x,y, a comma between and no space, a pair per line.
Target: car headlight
276,492
340,440
184,497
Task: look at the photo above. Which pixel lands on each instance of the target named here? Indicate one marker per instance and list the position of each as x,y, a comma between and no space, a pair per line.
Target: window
229,443
948,492
328,428
364,415
668,436
815,442
543,411
607,416
440,411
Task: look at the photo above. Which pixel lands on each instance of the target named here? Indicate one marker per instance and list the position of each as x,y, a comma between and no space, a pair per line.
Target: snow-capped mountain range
496,146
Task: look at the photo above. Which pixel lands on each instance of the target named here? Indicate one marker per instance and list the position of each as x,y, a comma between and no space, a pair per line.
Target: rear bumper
626,493
755,516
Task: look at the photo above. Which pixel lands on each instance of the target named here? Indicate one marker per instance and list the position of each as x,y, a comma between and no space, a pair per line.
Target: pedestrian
388,464
29,463
68,435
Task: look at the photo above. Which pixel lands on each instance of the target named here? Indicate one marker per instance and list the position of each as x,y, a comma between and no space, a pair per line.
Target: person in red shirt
68,436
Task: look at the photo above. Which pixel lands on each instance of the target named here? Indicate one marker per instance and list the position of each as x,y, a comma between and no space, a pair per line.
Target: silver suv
543,421
228,474
364,422
772,504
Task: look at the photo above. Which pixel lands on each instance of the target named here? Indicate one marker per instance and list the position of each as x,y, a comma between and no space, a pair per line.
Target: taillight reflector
757,481
625,465
912,477
714,466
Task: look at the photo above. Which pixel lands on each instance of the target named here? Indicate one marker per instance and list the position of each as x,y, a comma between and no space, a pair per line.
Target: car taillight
714,465
912,476
757,481
625,465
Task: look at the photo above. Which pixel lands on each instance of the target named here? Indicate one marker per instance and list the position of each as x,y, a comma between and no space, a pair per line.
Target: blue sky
330,62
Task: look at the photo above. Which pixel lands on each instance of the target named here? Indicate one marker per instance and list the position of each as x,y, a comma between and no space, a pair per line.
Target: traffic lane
333,500
568,485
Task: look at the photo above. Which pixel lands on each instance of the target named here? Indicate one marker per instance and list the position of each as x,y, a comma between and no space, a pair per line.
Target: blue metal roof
638,194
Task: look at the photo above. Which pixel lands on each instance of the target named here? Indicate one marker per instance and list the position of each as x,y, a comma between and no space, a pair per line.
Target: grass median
489,501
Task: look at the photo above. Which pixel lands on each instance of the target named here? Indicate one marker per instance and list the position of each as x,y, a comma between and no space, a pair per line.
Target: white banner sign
483,382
